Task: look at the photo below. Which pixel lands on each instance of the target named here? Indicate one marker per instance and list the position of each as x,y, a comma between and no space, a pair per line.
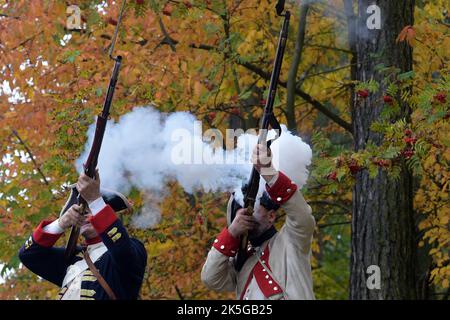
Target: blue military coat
122,265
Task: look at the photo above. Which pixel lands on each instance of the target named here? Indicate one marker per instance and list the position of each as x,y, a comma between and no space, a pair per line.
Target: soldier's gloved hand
72,217
242,223
89,188
262,160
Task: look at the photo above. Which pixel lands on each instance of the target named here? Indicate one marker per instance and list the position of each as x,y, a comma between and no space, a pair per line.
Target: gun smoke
147,149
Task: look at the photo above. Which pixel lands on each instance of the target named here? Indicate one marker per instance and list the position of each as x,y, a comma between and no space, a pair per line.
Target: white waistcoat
75,271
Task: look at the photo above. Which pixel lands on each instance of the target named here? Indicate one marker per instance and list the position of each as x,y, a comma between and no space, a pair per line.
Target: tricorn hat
233,206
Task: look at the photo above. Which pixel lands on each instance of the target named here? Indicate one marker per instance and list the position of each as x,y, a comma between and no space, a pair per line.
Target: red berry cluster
353,166
332,176
212,116
410,141
447,115
407,154
112,21
235,111
388,99
382,162
441,97
167,10
363,93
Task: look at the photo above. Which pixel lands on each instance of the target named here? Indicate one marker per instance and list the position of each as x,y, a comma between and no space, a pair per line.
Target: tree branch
332,224
329,48
330,203
6,16
305,96
293,70
327,71
180,295
30,155
25,41
167,39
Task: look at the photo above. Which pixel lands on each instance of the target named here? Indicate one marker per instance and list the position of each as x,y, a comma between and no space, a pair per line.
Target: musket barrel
253,185
111,87
91,163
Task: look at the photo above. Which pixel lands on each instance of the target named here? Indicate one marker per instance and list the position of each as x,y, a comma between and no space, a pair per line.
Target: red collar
95,240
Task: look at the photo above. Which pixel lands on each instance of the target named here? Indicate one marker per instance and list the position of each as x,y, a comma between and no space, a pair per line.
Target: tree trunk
293,70
351,29
383,232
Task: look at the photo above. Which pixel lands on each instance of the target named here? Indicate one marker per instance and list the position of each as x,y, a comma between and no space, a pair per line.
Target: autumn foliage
213,59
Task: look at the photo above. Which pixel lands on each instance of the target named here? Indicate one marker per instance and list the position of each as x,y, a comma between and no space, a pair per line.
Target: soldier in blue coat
119,259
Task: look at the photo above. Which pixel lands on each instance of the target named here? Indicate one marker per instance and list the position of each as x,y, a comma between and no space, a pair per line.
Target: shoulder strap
267,268
99,277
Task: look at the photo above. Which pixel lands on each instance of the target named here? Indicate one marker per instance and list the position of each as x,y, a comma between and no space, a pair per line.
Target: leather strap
99,277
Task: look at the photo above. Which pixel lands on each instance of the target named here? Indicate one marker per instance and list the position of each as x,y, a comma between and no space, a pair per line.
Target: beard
256,232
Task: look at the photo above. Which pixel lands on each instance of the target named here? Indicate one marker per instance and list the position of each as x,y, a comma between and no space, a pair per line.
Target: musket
92,160
251,188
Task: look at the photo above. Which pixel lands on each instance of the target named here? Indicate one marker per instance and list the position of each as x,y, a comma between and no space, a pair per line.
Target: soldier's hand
261,157
242,223
89,188
72,217
262,160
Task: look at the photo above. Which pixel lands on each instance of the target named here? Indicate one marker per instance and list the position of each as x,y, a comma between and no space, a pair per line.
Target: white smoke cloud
290,155
150,214
147,149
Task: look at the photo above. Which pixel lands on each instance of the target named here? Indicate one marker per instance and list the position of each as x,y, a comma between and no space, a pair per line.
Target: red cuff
45,239
226,244
104,219
282,190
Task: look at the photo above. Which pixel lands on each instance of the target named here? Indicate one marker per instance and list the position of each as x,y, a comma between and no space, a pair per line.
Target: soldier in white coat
278,264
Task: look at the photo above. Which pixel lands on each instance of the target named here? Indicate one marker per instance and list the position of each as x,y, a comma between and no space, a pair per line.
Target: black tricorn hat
233,206
267,202
115,199
118,202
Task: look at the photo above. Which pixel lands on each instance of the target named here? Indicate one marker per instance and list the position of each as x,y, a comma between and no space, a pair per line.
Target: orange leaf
408,33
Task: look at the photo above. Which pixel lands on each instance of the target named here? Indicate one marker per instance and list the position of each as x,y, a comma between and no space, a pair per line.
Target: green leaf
19,212
394,173
71,55
246,95
211,28
406,75
378,126
14,190
45,195
392,89
413,165
379,67
373,171
391,152
45,211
